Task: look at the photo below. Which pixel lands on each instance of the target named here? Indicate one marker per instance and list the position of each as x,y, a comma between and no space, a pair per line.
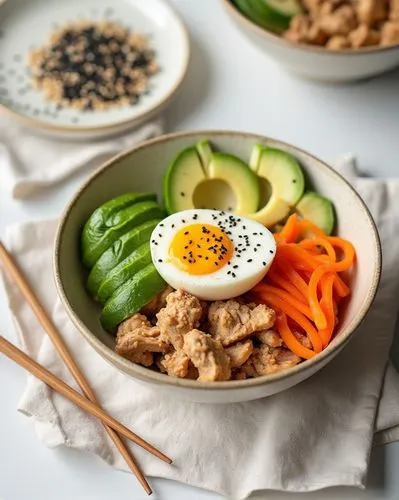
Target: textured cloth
312,436
23,173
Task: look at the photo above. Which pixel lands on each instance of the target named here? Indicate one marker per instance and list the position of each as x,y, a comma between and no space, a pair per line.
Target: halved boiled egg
214,255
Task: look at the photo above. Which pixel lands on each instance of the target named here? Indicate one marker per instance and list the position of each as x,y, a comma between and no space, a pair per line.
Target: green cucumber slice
274,15
131,297
119,250
318,210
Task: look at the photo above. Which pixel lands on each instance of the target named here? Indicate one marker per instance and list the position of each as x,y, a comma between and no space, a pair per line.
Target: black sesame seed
271,251
255,249
160,235
233,274
235,267
228,272
161,225
182,194
249,260
159,260
186,232
173,226
184,257
183,221
216,263
264,263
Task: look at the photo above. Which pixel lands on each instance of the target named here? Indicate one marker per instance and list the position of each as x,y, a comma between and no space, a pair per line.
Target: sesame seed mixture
93,66
209,243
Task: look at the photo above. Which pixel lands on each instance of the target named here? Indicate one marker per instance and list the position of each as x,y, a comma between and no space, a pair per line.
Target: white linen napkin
23,173
312,436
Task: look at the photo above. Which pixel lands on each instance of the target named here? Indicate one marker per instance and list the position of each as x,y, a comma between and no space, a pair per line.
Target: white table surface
231,85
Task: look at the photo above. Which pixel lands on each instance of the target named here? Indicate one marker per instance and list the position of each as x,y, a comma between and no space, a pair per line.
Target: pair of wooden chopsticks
88,403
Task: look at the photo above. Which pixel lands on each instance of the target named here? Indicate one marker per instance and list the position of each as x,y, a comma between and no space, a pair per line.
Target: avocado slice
287,181
205,152
239,177
125,270
180,180
256,155
118,224
97,223
119,250
274,15
318,210
131,297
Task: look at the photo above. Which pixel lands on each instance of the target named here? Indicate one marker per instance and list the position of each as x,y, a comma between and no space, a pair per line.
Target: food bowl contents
250,287
334,24
212,254
91,65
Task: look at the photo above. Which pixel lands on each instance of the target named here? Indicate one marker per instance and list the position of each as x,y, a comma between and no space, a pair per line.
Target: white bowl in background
313,62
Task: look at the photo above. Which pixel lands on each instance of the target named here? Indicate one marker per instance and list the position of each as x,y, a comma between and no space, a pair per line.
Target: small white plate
27,24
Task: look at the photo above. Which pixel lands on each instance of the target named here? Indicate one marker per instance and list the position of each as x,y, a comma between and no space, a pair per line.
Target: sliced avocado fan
117,252
117,225
131,297
98,222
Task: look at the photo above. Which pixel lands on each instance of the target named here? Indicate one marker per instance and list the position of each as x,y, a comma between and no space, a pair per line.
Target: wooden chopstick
39,371
59,344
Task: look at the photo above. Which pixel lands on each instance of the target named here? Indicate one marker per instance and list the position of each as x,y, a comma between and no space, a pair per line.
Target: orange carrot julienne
290,340
285,284
327,304
297,316
303,308
323,242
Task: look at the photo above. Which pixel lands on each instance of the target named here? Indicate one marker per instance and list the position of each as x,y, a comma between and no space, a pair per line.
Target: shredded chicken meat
181,314
207,355
212,341
231,321
137,339
344,24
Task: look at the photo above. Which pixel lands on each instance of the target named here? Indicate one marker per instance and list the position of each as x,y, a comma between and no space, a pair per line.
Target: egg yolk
200,249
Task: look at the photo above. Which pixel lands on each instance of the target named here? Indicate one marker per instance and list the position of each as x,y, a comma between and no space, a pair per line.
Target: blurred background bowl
315,62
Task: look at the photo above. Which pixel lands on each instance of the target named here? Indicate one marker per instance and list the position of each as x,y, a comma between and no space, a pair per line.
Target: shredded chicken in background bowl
346,24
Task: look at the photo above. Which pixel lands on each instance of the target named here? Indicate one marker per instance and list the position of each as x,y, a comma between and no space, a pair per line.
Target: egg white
245,270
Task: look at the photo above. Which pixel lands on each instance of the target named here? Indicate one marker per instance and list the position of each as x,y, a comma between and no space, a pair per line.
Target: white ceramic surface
354,223
317,63
26,24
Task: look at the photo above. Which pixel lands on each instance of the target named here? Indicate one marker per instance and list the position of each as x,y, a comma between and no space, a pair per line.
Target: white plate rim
156,107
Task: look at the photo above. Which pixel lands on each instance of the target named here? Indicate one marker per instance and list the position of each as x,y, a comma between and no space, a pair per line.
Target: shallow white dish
26,24
354,223
317,63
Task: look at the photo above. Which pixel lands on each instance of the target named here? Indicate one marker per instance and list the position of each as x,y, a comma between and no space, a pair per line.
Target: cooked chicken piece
303,339
270,337
239,375
207,355
370,12
339,22
338,42
192,372
271,360
312,6
239,353
247,370
137,339
231,321
316,35
394,10
157,303
181,314
363,36
175,364
299,29
390,33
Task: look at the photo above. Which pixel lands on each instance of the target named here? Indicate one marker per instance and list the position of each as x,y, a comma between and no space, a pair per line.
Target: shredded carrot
290,340
303,284
280,304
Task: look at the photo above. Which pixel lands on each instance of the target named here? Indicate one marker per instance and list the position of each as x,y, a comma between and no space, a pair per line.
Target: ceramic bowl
26,25
141,169
316,63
